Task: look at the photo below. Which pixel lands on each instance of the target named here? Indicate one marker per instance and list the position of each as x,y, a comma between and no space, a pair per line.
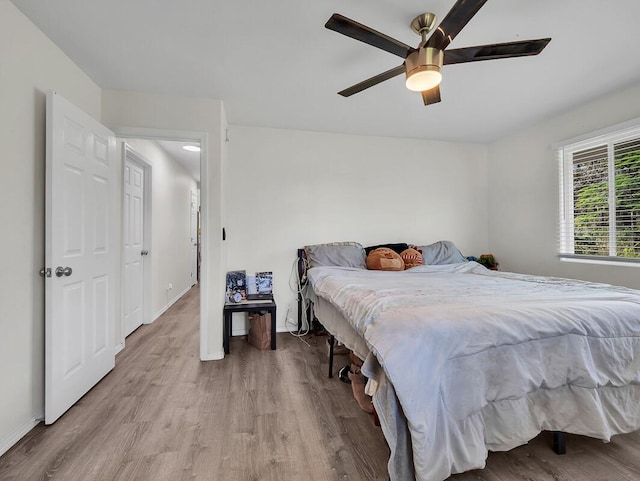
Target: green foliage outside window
627,167
591,200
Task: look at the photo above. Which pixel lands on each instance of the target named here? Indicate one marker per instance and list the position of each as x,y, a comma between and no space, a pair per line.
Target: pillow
399,247
411,258
342,254
384,259
441,252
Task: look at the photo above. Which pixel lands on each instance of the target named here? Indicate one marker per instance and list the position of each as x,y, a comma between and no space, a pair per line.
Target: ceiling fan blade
370,82
494,51
431,96
459,15
356,30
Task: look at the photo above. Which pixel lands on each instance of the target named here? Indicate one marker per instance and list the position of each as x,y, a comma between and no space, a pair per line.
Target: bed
463,360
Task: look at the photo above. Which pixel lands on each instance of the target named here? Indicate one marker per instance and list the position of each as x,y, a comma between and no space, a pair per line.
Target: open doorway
161,238
187,153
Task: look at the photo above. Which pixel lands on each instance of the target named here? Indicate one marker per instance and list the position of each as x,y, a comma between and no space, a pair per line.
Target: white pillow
342,254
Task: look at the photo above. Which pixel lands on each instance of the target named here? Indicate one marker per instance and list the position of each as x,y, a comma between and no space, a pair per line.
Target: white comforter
483,360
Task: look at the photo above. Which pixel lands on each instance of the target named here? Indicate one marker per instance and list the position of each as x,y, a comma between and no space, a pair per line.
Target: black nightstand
248,306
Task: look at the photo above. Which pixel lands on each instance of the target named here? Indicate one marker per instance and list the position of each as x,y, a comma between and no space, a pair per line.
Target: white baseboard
171,303
18,434
238,332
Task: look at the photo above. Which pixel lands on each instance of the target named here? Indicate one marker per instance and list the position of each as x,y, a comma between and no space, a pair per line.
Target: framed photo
236,286
262,288
264,283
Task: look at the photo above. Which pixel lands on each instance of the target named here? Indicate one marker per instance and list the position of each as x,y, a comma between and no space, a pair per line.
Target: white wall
413,190
524,192
30,65
285,189
168,114
170,255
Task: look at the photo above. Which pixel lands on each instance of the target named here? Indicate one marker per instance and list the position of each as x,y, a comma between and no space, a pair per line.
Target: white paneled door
133,252
80,251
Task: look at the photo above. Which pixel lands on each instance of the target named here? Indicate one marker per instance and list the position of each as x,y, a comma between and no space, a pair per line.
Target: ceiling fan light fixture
423,69
424,78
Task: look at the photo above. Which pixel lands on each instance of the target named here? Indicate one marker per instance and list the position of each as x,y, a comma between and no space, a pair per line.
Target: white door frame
194,260
131,155
193,136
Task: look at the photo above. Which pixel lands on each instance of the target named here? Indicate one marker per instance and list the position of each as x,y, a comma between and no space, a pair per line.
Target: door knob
63,271
144,253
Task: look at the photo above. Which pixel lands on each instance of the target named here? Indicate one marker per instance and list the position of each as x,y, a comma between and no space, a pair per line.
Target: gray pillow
342,254
442,252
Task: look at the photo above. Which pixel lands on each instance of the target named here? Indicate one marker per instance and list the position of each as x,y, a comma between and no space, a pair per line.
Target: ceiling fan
422,65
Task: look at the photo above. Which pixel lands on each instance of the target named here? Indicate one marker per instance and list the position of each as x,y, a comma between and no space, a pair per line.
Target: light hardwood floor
161,414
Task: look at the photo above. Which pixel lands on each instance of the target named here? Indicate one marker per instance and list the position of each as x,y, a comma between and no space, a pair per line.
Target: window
600,196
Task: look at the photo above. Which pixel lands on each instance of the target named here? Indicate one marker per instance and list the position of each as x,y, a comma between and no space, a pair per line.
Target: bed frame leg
332,341
559,442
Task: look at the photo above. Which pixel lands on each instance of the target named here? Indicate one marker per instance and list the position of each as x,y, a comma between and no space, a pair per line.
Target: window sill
607,261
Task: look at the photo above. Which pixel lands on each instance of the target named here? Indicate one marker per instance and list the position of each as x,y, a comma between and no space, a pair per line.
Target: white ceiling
274,64
189,160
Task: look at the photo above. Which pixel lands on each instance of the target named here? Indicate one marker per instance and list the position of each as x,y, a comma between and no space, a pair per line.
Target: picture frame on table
262,288
236,286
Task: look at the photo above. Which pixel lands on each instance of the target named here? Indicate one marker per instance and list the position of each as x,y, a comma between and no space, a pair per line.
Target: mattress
339,327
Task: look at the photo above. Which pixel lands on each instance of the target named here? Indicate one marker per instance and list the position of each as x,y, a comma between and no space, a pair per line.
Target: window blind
591,202
627,190
600,196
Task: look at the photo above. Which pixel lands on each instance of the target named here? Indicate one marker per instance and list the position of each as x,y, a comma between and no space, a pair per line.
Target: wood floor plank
162,414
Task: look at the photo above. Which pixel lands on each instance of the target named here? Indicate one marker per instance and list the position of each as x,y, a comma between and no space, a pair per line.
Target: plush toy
384,259
412,257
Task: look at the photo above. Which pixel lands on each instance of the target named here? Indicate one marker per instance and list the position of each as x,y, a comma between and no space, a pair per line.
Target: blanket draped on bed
482,360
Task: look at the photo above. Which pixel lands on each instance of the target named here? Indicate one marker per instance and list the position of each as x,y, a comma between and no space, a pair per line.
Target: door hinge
45,272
